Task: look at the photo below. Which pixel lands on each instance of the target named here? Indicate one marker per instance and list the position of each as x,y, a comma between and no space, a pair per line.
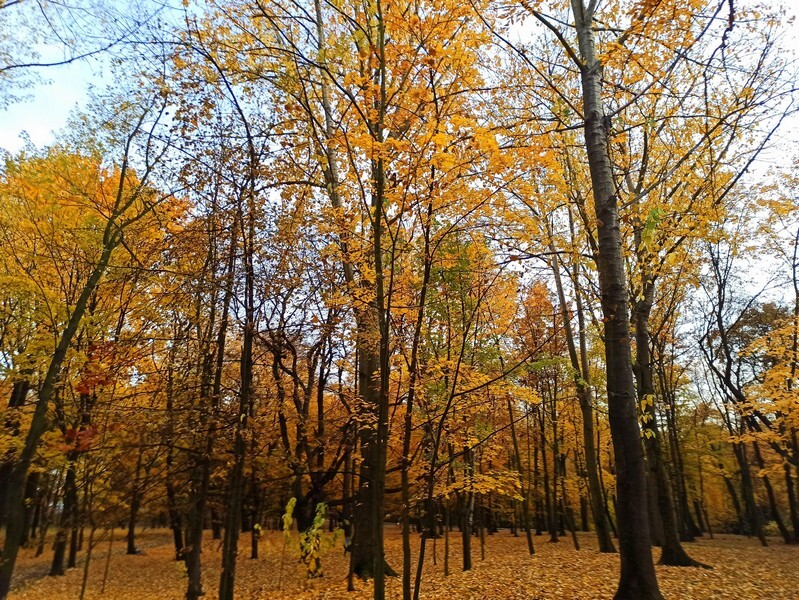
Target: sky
46,106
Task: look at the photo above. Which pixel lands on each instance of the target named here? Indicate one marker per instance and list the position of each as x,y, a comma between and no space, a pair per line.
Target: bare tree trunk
135,503
582,381
673,553
236,480
171,497
413,369
772,500
638,579
525,494
67,517
85,579
748,492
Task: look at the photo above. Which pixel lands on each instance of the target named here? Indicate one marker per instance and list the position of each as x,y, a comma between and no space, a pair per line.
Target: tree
118,199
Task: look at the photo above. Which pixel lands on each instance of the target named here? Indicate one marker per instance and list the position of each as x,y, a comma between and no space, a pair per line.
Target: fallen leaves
742,570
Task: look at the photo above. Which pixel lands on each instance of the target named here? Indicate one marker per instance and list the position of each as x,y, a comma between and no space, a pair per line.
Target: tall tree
119,199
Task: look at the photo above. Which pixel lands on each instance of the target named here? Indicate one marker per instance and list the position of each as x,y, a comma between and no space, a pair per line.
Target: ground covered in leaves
742,570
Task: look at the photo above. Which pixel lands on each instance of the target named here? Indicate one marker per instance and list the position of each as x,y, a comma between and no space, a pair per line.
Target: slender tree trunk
175,522
467,513
673,553
689,529
549,502
67,517
85,579
539,505
525,494
135,503
638,580
210,368
793,507
19,392
743,526
582,381
236,480
413,369
568,514
192,550
48,510
748,492
772,499
446,540
31,492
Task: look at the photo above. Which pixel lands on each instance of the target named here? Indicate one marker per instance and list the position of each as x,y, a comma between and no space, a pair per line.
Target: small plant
288,518
311,543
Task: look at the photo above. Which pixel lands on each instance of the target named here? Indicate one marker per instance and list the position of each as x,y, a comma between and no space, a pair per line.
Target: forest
402,299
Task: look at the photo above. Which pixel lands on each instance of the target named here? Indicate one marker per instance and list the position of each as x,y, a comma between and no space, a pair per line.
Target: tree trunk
568,514
549,507
582,381
413,369
236,481
67,519
19,391
367,517
31,494
673,553
175,522
748,491
772,500
638,580
793,509
525,494
135,503
466,514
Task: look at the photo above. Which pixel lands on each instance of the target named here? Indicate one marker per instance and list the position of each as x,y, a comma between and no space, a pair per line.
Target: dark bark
16,400
466,506
772,499
525,493
372,349
123,200
135,504
31,495
673,553
15,488
582,381
367,522
755,519
638,579
413,371
236,478
175,520
539,505
793,506
568,514
67,519
743,527
549,504
210,375
689,529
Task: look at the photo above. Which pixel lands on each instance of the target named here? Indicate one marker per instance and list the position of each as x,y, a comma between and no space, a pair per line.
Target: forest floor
742,569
